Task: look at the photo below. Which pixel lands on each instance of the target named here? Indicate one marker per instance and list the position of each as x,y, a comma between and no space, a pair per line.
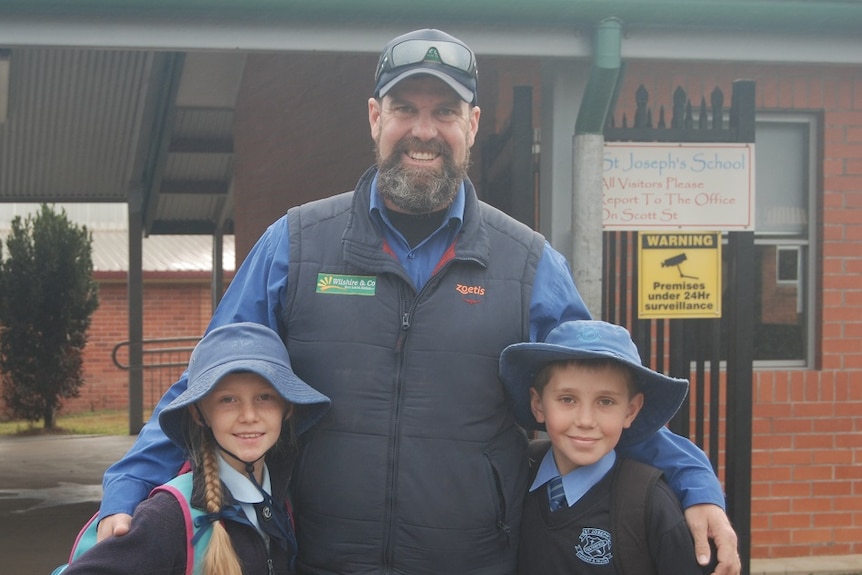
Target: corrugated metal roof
108,225
160,253
93,125
73,124
108,216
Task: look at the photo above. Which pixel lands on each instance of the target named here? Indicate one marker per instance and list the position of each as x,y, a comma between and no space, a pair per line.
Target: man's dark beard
417,190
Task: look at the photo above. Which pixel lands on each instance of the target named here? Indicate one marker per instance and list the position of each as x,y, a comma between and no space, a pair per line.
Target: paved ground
50,487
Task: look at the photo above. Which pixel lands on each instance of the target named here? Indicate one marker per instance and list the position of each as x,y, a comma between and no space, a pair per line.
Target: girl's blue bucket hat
243,347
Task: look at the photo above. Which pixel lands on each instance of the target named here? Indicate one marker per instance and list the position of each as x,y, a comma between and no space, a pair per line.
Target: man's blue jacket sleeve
686,468
256,294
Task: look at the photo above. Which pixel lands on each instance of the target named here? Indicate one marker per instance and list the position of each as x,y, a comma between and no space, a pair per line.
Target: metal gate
714,354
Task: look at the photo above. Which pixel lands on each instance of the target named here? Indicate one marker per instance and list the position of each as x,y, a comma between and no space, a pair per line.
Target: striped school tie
556,493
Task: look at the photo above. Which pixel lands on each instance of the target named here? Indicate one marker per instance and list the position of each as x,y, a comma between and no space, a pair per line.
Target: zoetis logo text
468,290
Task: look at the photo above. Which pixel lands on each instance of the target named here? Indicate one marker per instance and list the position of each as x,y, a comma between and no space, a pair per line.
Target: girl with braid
239,421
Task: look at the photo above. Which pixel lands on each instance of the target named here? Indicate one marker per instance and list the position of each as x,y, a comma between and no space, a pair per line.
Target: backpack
630,506
181,488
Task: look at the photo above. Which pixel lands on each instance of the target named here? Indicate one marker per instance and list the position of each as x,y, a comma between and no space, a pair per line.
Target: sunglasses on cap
408,52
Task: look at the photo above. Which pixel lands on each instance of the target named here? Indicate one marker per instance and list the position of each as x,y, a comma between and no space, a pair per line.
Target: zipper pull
405,321
270,569
507,531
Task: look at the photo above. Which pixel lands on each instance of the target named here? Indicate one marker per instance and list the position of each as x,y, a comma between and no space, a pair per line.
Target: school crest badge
595,546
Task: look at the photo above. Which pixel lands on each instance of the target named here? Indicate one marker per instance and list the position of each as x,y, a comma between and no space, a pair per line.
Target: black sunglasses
409,52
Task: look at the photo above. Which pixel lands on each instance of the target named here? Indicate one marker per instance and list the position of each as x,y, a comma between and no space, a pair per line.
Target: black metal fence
715,354
164,360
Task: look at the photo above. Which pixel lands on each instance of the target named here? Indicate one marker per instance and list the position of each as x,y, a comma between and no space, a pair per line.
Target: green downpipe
604,75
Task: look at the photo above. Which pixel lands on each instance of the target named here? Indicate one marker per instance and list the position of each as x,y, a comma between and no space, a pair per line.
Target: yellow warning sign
680,275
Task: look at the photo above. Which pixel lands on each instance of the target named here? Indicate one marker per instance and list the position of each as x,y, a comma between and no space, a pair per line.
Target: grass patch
115,422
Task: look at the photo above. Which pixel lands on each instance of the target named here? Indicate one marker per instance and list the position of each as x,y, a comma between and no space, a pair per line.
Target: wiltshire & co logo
338,284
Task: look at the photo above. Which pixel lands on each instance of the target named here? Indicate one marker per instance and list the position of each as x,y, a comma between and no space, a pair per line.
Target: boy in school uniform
587,510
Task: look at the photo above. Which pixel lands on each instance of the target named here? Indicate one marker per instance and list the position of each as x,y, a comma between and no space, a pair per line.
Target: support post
739,391
217,282
136,311
588,154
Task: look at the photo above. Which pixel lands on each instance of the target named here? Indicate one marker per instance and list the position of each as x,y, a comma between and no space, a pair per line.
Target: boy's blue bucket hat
243,347
585,339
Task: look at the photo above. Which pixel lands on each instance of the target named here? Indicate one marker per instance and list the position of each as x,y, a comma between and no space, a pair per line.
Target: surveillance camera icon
676,262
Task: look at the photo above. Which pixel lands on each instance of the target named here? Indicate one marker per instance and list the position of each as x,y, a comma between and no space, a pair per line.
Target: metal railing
163,361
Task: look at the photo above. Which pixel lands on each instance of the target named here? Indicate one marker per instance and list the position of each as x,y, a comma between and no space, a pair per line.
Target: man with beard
395,300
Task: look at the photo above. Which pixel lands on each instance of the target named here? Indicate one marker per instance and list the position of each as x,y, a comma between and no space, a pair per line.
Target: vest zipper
405,327
406,295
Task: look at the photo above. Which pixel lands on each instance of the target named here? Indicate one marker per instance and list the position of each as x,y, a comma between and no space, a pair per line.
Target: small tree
47,297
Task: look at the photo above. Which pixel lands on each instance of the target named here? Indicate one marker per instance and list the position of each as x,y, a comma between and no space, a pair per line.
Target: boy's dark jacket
629,523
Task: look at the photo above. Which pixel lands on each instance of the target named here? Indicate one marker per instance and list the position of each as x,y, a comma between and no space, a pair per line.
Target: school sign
673,186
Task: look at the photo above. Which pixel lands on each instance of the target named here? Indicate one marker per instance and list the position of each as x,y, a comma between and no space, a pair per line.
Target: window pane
779,318
781,177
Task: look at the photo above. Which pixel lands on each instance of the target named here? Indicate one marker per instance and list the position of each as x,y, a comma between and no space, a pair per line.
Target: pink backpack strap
181,488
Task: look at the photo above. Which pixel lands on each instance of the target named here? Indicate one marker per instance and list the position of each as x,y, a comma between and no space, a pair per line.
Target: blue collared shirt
258,292
244,491
576,482
419,261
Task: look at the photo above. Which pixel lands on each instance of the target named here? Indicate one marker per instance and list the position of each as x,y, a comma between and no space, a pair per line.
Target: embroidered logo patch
595,547
338,284
588,334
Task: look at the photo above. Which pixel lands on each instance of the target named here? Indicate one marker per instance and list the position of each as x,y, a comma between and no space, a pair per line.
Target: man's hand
114,526
706,522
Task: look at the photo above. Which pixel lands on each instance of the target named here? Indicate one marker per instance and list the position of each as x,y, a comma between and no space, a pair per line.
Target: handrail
154,351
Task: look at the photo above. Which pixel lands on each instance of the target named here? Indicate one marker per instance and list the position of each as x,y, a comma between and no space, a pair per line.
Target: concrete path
49,487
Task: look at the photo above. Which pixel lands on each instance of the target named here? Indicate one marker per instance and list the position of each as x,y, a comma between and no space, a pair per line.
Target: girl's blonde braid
220,557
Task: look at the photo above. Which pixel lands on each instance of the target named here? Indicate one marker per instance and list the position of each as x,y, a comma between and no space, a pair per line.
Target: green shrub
47,297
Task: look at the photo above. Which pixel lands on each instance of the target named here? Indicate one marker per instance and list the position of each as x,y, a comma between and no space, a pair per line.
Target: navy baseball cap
243,347
430,52
591,339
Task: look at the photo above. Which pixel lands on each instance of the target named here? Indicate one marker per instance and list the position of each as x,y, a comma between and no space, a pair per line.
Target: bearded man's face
422,133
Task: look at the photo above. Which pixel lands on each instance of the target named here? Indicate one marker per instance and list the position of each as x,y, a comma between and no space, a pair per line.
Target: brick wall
176,304
807,459
301,134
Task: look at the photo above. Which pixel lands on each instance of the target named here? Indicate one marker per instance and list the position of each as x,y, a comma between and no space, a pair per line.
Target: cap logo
432,55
